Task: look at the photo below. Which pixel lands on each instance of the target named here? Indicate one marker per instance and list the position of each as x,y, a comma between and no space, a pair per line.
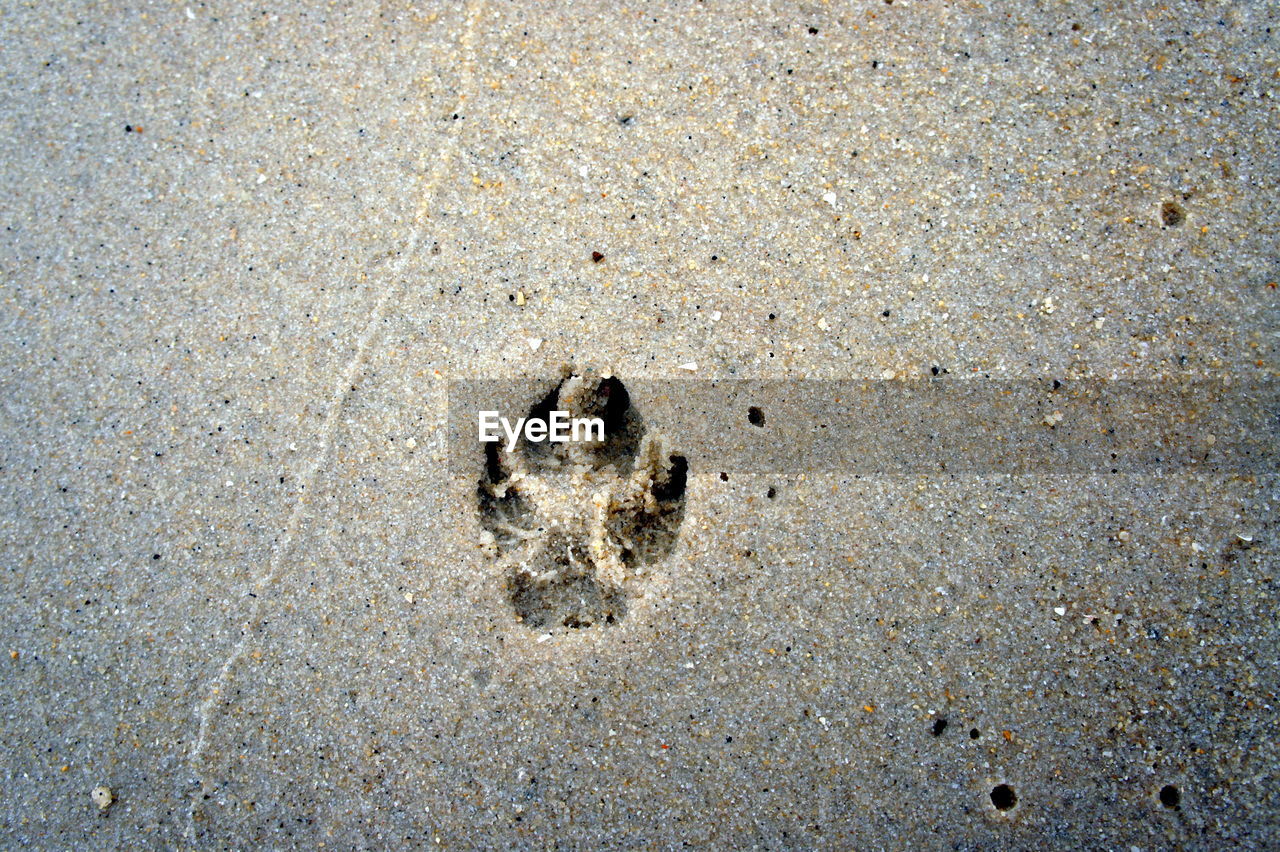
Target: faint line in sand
205,710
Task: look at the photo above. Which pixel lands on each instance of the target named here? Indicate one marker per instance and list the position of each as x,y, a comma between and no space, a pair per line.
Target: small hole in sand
1171,214
1003,797
755,416
1170,796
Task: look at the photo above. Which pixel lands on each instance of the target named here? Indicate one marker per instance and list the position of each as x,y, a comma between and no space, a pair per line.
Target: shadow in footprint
558,587
503,511
606,399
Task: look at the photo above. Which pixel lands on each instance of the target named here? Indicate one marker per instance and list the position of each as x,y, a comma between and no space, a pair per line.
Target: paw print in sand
576,526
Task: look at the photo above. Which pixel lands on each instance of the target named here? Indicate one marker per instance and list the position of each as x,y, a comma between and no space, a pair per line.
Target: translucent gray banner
931,426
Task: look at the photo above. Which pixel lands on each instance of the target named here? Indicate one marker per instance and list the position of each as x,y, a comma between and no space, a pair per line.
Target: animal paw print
576,526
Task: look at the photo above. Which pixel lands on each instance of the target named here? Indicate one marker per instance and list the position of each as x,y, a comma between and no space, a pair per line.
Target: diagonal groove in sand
205,709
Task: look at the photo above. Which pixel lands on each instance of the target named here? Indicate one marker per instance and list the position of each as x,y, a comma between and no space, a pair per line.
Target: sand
257,261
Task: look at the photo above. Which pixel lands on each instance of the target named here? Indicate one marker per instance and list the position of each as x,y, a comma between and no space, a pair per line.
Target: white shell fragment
102,797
